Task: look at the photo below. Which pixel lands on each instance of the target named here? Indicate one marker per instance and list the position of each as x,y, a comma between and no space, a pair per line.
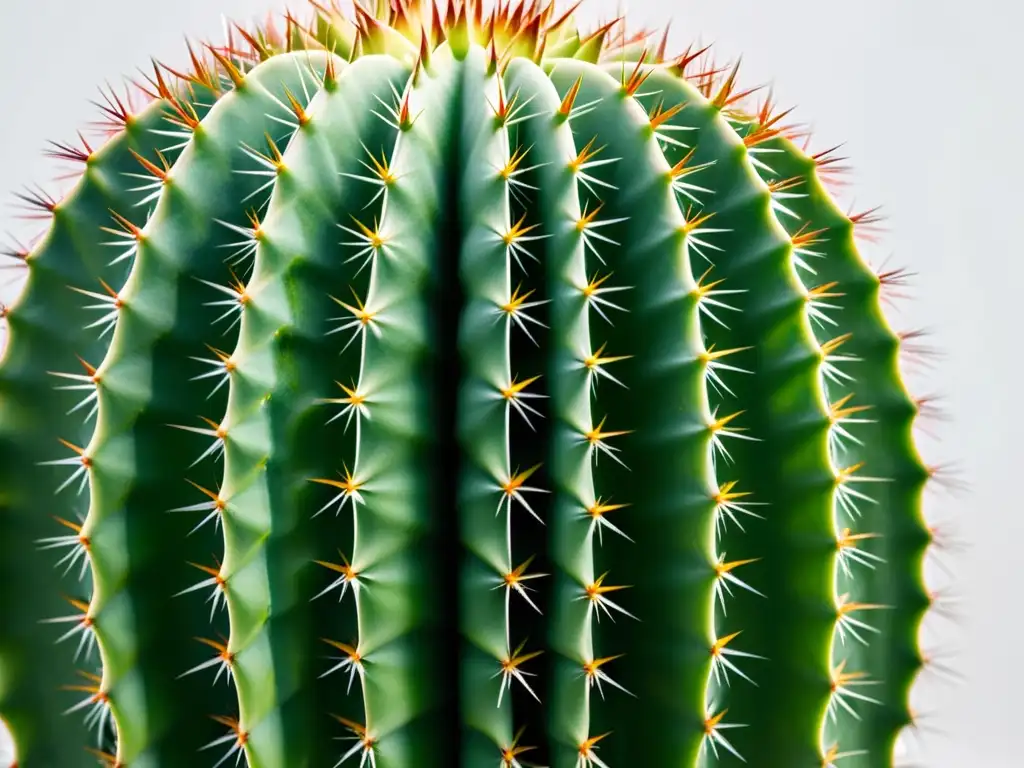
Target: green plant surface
872,417
465,387
47,365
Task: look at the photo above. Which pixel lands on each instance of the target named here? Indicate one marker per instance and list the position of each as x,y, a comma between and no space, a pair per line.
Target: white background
925,97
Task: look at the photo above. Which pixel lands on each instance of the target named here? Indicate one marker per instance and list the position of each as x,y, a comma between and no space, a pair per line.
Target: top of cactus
410,30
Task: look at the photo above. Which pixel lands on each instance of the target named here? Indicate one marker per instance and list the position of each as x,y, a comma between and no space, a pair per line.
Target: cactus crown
471,388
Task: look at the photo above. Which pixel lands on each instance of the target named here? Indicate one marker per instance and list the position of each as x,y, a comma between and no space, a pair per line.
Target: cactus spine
509,394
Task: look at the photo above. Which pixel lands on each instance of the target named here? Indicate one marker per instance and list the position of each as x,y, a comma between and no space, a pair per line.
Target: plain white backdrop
924,97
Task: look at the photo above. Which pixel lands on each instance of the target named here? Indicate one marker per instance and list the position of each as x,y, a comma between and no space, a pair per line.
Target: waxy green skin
403,474
49,331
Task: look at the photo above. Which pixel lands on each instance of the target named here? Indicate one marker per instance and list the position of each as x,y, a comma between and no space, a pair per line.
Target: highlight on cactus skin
446,385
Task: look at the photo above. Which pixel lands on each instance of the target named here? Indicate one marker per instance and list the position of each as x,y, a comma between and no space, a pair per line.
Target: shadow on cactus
471,388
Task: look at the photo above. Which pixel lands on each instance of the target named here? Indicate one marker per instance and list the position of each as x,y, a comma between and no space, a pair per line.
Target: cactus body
455,386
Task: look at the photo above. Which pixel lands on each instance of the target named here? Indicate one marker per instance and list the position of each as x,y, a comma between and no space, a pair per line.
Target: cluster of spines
133,240
238,500
593,435
824,249
497,310
575,270
124,115
847,292
841,689
843,683
726,495
822,235
376,247
714,303
803,309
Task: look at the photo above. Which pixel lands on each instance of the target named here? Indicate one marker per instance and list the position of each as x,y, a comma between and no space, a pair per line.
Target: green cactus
474,389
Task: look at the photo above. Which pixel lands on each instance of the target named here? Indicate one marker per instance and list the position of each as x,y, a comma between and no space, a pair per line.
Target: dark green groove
399,298
562,273
891,658
140,462
788,470
531,434
47,334
668,483
485,269
786,467
278,440
409,697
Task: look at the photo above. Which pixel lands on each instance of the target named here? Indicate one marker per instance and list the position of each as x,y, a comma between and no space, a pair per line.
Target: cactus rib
466,388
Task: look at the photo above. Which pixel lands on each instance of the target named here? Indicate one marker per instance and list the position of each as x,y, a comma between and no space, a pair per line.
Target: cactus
453,382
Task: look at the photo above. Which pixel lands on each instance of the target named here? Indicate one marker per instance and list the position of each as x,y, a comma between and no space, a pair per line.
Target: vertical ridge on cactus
442,385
